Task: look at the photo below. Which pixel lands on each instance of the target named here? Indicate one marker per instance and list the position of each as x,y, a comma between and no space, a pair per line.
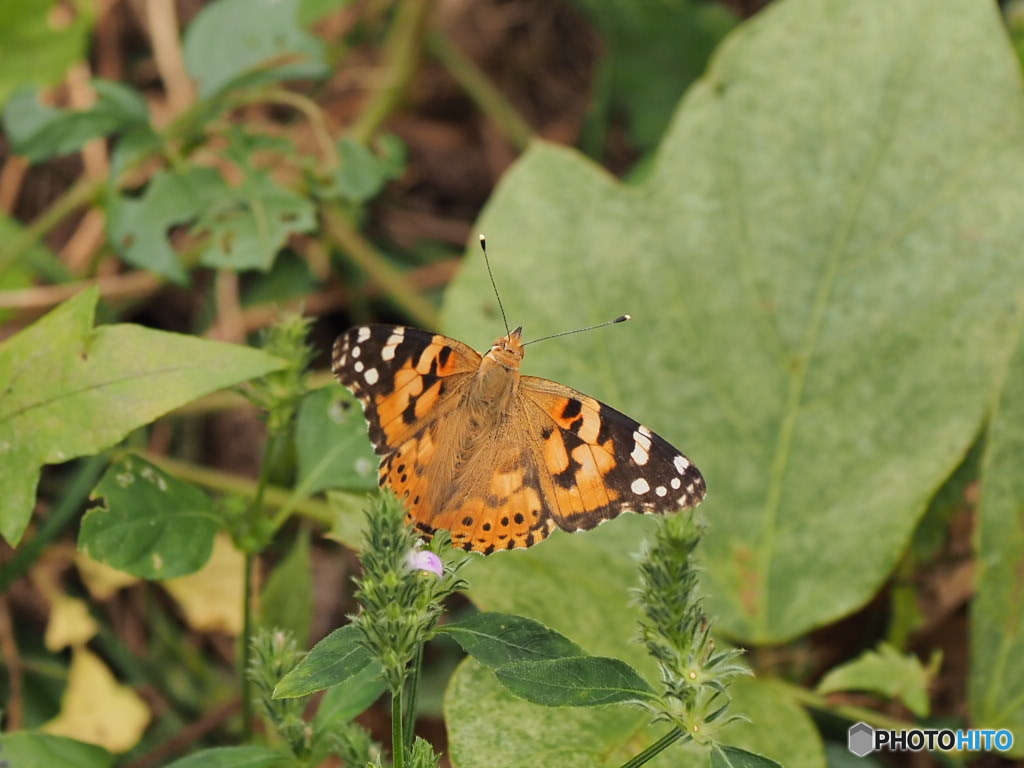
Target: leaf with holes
248,224
151,524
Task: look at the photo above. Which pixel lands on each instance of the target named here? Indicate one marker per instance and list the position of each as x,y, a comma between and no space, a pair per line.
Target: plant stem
247,632
83,480
84,191
410,708
397,732
661,744
274,496
480,89
404,43
257,541
393,282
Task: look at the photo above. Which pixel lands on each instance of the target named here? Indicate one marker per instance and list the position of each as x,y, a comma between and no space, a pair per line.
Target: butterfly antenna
487,261
621,319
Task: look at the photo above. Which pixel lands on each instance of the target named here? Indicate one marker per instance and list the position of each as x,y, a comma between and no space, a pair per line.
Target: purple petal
422,560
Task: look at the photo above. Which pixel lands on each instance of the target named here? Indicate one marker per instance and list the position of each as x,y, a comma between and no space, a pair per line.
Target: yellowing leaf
97,709
100,579
70,623
212,596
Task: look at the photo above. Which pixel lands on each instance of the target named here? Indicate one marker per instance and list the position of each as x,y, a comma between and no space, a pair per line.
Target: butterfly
497,458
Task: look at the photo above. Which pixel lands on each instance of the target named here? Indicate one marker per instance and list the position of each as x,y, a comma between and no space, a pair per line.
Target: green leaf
139,227
344,701
234,757
732,757
151,524
331,444
822,334
251,41
496,639
39,132
24,749
333,660
311,11
288,596
42,51
579,681
887,672
249,224
605,737
70,390
996,684
673,38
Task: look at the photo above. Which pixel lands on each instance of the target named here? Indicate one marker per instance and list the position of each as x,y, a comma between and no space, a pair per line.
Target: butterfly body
495,457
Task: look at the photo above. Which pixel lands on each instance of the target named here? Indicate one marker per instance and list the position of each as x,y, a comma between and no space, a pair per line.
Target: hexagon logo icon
860,739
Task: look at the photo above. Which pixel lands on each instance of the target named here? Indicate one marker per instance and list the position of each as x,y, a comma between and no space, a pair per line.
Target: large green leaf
580,585
575,681
996,689
334,660
603,737
24,749
249,756
38,131
254,40
71,390
823,267
35,50
151,524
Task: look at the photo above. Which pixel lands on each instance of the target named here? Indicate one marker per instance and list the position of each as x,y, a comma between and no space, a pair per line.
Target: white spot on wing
641,446
676,483
371,376
364,334
645,432
356,351
640,486
661,490
358,366
388,353
681,464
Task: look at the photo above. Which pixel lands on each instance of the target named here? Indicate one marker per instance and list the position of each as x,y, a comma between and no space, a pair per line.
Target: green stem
410,708
660,745
393,282
480,89
75,493
273,496
247,632
404,44
397,733
83,192
257,541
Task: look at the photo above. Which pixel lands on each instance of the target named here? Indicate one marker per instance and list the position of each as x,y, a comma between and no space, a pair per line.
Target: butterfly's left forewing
598,462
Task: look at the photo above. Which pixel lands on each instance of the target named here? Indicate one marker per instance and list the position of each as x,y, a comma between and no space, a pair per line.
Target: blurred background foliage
198,165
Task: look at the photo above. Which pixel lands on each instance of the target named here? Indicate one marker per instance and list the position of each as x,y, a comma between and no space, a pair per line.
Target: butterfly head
508,350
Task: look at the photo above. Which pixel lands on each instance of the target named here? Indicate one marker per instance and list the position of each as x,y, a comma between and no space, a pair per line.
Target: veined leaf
826,248
996,690
71,390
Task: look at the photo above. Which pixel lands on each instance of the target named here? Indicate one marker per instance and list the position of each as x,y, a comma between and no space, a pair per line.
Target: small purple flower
424,560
